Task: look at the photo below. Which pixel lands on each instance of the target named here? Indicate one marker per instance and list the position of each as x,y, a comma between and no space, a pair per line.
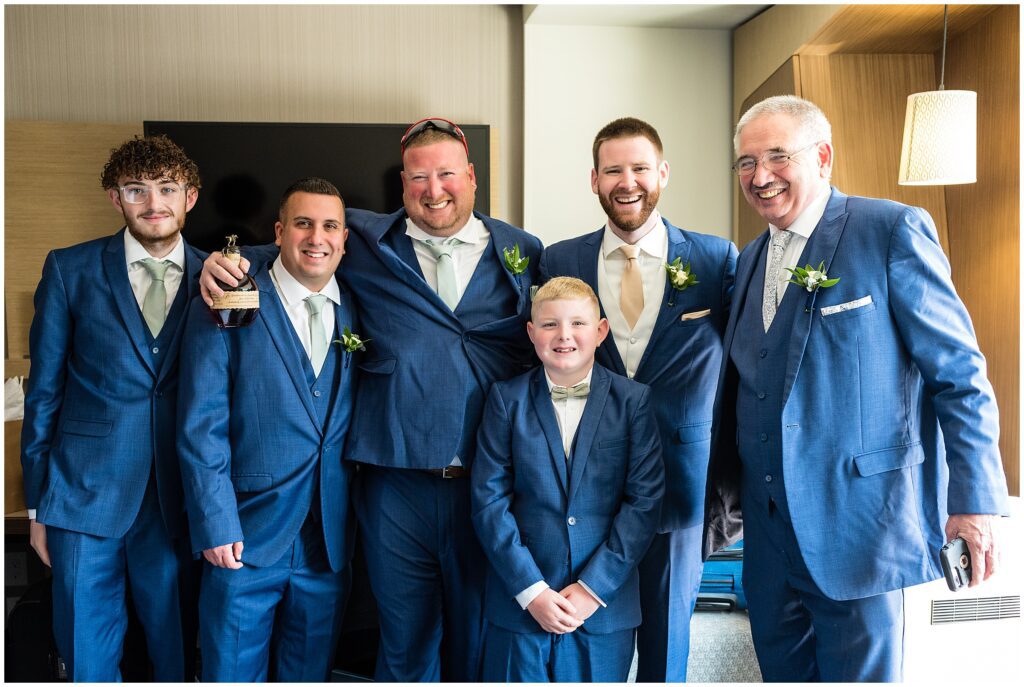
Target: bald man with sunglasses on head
444,312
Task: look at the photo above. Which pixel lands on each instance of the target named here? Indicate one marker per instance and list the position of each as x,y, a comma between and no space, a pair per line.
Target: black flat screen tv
246,166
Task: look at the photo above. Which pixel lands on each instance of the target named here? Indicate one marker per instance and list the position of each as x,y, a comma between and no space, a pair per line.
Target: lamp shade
940,139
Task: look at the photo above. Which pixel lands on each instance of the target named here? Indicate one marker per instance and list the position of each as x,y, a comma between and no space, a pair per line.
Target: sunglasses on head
444,125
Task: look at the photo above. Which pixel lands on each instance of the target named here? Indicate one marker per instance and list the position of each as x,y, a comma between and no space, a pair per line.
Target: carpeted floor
720,649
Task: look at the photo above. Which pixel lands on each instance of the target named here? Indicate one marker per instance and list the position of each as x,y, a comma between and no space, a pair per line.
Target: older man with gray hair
856,430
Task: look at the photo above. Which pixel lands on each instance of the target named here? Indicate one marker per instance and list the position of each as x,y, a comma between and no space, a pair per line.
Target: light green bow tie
578,391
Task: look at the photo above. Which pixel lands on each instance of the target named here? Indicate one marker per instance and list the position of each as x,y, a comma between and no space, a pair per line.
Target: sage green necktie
317,334
447,287
154,305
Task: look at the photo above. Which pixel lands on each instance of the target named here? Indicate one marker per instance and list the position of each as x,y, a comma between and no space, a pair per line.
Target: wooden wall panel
984,218
864,97
14,488
895,28
768,40
53,198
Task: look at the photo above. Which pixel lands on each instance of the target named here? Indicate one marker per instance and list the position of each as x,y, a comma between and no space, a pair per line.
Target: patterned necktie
577,391
317,334
770,298
154,305
631,298
447,287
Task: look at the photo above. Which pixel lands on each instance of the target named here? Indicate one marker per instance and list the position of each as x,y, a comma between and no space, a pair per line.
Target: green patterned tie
154,305
317,334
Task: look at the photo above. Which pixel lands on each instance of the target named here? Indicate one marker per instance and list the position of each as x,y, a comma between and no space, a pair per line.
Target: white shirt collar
473,231
135,251
590,374
293,292
805,223
654,242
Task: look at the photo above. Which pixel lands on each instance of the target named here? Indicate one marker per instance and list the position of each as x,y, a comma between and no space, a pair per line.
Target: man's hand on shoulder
216,266
583,600
37,539
979,531
225,556
553,612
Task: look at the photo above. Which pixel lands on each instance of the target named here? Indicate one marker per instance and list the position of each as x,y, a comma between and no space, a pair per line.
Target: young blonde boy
566,490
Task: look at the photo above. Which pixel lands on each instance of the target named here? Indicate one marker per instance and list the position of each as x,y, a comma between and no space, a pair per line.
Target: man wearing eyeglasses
101,473
853,412
667,335
445,314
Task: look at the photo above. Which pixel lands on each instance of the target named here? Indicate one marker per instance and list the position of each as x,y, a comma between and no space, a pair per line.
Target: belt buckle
444,472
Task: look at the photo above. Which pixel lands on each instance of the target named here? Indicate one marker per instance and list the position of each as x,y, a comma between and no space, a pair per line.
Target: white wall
579,78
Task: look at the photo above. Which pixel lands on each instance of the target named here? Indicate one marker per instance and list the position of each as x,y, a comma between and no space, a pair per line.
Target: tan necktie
631,300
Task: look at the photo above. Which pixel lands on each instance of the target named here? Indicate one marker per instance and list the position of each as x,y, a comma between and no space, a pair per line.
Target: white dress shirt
293,295
802,228
611,263
139,277
568,412
465,256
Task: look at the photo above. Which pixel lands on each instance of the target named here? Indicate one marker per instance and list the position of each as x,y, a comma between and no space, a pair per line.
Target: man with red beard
102,481
666,294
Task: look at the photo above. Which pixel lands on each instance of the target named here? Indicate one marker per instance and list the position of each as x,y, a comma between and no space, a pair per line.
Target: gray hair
809,117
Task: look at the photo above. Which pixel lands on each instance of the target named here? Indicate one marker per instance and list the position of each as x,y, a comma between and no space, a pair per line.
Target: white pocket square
843,307
696,314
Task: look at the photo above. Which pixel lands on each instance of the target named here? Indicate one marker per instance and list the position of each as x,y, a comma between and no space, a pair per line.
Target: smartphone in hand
956,564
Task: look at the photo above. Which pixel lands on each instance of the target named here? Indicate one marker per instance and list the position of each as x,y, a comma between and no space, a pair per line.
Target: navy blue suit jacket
888,422
254,453
541,519
681,361
100,407
427,370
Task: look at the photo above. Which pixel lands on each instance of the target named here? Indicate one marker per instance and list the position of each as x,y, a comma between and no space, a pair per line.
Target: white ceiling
673,16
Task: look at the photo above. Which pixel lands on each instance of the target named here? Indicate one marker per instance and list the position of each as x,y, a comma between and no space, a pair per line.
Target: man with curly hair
101,473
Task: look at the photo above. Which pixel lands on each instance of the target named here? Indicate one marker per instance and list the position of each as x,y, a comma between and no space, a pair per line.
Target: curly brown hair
149,158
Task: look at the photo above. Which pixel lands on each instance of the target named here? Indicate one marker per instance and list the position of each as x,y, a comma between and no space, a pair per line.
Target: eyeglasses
136,194
443,125
772,161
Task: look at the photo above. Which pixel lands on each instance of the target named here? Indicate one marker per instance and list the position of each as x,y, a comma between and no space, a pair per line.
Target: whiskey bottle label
237,299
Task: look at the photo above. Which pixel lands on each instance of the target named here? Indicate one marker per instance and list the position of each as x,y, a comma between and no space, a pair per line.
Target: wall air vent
966,610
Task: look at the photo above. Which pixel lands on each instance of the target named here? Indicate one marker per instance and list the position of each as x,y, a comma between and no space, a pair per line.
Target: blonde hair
564,289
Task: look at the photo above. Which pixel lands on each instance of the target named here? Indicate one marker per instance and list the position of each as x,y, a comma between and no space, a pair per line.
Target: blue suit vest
761,363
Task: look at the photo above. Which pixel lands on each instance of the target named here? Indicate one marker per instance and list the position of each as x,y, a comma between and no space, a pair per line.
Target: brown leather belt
450,472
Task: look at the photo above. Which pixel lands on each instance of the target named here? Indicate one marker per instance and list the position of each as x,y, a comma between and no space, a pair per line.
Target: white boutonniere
680,277
351,342
811,279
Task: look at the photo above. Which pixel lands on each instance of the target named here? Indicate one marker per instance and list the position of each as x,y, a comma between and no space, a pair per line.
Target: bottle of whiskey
239,304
